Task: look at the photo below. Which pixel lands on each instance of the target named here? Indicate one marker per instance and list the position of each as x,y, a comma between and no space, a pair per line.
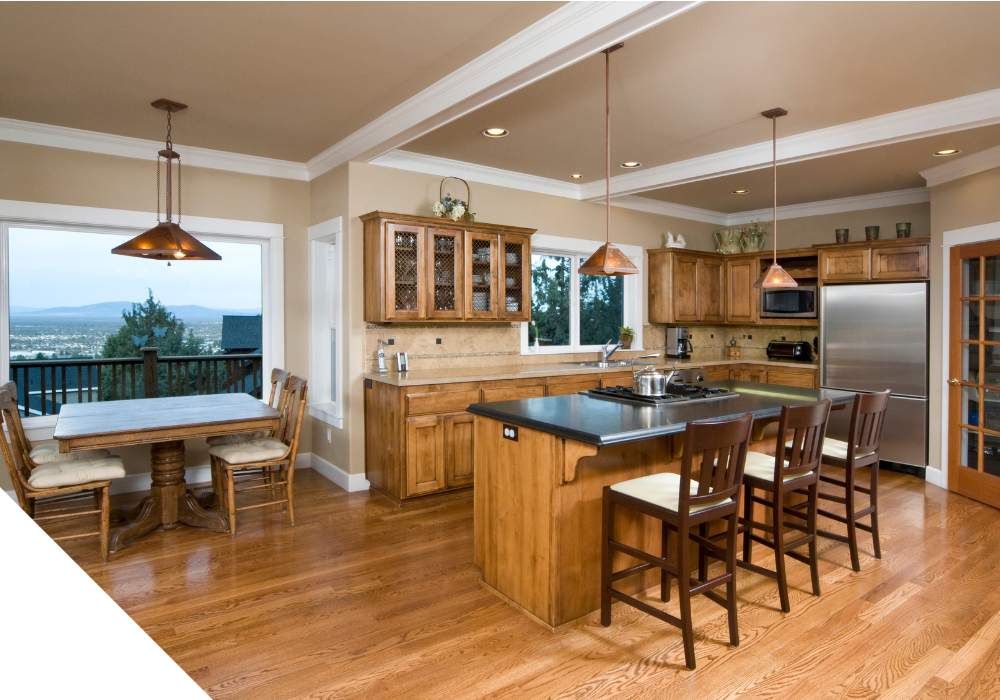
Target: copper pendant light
608,260
167,240
775,276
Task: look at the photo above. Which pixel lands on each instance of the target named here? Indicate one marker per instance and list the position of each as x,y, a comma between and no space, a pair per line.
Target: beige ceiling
278,79
883,169
696,84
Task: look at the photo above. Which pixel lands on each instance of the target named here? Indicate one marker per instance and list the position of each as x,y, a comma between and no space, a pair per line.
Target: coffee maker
678,345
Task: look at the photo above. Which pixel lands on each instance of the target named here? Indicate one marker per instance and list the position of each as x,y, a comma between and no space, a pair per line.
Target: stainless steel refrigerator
873,337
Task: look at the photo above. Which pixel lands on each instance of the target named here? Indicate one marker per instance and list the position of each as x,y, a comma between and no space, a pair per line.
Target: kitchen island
541,465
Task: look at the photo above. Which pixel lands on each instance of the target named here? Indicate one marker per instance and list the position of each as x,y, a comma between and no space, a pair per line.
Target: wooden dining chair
279,379
55,491
795,468
265,463
681,503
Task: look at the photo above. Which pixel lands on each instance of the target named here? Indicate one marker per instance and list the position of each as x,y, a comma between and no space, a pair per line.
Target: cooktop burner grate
677,393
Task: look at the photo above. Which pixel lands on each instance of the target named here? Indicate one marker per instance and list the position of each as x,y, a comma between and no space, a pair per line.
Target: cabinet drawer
441,402
806,380
903,263
716,374
564,387
512,393
616,379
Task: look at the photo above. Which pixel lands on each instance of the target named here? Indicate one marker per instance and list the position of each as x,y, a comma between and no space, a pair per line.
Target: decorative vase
626,340
752,242
903,230
728,241
842,235
871,233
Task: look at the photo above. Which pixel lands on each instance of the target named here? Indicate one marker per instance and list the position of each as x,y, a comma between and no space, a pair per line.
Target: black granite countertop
606,422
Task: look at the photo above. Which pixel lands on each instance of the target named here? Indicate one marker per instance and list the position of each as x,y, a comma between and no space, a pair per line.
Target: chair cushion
76,471
761,466
834,448
49,452
236,437
254,451
663,490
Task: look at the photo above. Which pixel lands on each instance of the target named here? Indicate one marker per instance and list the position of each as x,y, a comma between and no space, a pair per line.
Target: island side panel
514,484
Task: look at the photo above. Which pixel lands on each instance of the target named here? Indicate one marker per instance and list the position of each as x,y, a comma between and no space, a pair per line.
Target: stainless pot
650,381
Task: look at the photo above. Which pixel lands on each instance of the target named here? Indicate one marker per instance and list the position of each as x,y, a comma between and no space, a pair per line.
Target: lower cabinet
458,450
424,455
770,374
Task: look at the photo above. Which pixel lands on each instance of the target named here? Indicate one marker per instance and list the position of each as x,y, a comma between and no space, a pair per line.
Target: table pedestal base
169,504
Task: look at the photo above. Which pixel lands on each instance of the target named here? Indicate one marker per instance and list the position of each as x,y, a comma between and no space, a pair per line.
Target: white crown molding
571,33
142,149
962,167
445,167
917,195
680,211
969,112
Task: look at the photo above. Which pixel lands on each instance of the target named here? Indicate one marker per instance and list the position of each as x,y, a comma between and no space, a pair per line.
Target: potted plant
626,335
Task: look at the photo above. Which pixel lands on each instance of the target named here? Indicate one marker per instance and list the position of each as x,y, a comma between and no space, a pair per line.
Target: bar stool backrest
867,420
808,425
724,446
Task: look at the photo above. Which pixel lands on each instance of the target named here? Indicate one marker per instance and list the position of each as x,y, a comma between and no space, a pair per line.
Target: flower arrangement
455,209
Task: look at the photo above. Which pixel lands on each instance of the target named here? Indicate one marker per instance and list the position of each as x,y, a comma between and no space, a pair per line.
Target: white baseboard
936,477
348,482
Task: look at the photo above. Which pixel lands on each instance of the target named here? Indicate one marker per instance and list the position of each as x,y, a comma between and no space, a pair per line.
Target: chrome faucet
608,353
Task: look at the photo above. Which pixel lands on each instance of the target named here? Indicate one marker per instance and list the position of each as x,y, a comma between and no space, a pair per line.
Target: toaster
798,350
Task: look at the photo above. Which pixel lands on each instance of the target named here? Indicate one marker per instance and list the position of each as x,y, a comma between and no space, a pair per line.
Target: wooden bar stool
681,503
793,469
865,432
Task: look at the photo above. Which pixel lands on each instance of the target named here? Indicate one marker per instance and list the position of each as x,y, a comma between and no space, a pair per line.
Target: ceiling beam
568,35
962,167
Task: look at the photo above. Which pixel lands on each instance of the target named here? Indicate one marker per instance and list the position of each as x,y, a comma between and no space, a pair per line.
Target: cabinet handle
953,381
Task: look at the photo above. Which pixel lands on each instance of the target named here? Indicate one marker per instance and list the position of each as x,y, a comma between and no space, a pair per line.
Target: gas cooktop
676,393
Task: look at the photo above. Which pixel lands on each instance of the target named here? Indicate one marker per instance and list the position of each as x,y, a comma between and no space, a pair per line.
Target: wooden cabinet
755,373
563,386
880,261
774,374
849,265
717,374
424,455
742,300
458,453
420,268
711,290
899,263
686,287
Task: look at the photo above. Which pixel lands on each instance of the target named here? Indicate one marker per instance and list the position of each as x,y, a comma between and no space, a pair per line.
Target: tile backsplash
751,337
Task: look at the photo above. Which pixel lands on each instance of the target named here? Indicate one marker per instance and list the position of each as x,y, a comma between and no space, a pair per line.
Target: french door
974,384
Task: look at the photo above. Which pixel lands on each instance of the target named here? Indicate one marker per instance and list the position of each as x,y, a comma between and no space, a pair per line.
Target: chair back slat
807,424
279,378
12,388
723,446
867,421
13,450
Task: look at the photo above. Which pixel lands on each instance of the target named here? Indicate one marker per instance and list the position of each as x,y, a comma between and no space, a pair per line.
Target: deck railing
45,385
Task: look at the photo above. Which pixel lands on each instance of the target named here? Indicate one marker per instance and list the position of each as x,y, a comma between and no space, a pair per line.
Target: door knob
953,381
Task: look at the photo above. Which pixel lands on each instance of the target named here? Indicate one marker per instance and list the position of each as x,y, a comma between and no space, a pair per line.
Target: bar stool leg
874,504
608,529
748,518
684,589
665,555
779,550
702,558
813,544
734,629
852,525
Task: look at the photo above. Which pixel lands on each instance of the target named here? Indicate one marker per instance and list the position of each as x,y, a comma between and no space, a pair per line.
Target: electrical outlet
391,341
329,435
438,341
510,432
711,335
749,337
782,337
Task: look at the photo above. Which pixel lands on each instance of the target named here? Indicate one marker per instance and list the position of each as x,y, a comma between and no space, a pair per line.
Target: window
325,326
571,312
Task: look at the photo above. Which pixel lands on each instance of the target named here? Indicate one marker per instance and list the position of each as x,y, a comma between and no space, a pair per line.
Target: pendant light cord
774,161
607,134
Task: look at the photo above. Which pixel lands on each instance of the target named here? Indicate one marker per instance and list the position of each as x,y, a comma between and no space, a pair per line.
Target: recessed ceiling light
576,176
631,164
495,133
740,191
947,152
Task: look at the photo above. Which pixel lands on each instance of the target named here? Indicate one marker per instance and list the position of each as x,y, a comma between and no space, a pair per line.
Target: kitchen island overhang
541,465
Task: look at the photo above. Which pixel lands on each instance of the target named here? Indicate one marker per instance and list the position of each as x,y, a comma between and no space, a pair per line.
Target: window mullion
574,303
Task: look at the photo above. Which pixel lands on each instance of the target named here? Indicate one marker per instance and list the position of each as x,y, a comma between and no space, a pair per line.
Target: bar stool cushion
247,452
76,471
49,452
834,448
761,466
236,437
663,490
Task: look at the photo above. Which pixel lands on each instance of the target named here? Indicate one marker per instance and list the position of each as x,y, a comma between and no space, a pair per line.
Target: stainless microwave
789,302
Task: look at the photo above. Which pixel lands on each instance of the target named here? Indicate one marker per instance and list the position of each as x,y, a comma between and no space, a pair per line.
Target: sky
70,268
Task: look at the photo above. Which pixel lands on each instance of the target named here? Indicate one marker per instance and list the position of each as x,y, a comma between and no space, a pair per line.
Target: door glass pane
991,276
601,308
550,279
970,405
482,275
970,320
406,271
970,277
991,409
513,283
991,454
992,325
992,368
970,363
970,448
444,273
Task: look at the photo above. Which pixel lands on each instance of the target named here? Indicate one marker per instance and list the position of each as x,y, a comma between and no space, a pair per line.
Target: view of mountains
114,309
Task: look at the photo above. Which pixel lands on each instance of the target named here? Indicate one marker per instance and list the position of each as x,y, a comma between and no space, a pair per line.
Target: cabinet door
481,275
458,449
790,377
717,374
711,283
737,374
424,455
515,281
405,294
845,265
685,288
659,295
741,297
445,267
902,263
755,374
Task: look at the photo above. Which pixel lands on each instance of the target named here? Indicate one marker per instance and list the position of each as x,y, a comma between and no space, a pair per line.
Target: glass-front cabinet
515,281
481,286
405,293
445,264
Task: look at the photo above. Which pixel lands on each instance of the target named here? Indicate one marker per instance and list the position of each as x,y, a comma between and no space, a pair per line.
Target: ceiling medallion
775,276
608,260
167,240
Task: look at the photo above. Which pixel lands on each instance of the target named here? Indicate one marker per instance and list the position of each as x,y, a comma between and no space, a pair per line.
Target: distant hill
114,309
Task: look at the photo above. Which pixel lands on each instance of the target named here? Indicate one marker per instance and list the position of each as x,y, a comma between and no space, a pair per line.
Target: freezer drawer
904,437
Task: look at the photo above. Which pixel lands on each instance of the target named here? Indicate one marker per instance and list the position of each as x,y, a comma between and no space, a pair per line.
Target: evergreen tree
550,278
140,322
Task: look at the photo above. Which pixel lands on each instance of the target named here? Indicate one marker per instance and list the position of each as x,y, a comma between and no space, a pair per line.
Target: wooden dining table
164,424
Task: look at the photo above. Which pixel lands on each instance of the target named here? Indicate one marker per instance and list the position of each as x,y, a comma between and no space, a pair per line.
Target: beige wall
59,176
969,201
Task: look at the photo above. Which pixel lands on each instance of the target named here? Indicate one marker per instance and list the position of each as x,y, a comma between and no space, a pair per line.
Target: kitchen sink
600,365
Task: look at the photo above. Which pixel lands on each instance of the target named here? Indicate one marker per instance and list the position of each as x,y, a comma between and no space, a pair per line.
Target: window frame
60,217
326,276
583,249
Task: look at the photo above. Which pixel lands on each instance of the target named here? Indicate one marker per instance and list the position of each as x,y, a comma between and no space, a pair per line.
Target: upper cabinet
420,268
897,259
742,300
686,287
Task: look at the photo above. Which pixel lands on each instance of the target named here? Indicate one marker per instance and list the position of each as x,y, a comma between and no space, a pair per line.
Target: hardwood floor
366,600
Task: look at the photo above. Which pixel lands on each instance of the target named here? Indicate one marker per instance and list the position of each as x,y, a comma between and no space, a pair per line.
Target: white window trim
634,284
325,309
270,237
